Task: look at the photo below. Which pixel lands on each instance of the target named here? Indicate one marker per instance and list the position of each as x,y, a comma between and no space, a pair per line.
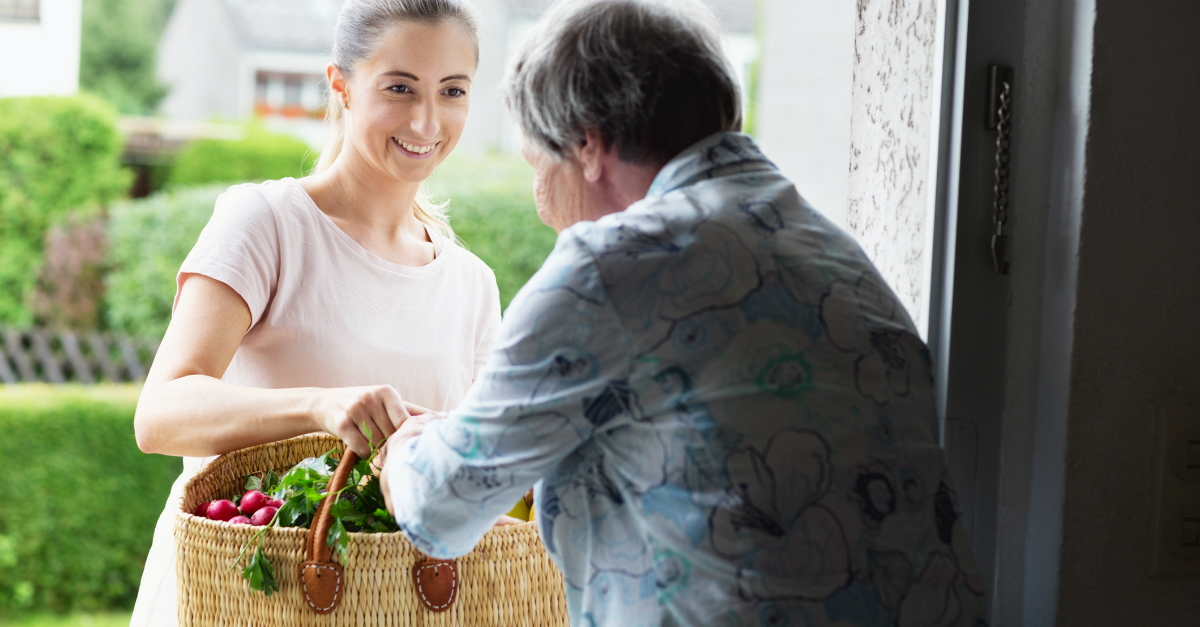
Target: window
20,10
288,95
291,91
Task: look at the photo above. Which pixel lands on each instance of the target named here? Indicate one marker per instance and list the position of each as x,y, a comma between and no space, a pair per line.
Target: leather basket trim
430,599
337,585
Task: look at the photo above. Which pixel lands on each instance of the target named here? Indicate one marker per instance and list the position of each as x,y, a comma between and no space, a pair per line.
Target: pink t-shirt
325,312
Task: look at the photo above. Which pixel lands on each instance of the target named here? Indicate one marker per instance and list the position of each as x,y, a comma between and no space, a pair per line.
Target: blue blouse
728,415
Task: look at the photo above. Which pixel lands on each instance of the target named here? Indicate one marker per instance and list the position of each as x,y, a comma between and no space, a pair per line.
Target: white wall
198,60
42,58
893,133
803,117
488,121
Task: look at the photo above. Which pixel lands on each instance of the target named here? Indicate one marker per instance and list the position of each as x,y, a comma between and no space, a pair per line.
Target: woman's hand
363,416
410,429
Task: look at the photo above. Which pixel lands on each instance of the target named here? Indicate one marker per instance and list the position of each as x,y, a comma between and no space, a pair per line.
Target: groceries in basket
292,500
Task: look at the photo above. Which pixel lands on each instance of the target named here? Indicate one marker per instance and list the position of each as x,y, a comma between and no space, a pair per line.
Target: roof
736,16
301,25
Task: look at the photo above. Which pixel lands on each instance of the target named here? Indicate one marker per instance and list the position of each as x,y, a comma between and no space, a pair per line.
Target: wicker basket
507,580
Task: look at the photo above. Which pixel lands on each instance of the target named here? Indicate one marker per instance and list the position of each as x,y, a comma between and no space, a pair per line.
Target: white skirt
156,600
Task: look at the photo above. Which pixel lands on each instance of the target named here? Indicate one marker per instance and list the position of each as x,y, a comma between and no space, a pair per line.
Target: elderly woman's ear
592,155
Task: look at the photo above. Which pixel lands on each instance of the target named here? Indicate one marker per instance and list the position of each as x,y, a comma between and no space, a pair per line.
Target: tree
118,50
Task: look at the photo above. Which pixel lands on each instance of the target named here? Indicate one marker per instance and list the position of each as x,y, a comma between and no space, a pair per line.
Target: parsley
359,508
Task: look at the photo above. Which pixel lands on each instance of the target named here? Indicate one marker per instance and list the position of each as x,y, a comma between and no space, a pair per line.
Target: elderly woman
728,415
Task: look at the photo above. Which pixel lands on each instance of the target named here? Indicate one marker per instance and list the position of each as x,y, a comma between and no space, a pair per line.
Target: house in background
39,40
237,59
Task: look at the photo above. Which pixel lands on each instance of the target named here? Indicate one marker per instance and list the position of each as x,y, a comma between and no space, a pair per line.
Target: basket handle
322,580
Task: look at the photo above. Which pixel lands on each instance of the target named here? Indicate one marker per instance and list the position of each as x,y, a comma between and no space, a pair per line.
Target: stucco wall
1137,321
42,58
892,130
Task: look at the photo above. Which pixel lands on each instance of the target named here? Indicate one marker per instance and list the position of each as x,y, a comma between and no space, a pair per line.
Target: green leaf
295,512
339,539
268,573
260,573
253,483
270,481
8,551
342,508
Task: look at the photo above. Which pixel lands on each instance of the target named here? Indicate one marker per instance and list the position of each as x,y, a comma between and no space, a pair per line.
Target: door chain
1002,101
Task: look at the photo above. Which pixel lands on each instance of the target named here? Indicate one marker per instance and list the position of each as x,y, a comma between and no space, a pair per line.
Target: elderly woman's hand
409,429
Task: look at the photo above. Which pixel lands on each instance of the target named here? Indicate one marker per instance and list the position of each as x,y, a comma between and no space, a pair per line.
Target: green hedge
491,209
80,500
56,154
148,240
492,212
259,156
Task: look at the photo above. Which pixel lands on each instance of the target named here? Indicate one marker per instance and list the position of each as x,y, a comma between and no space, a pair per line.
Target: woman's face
407,104
558,187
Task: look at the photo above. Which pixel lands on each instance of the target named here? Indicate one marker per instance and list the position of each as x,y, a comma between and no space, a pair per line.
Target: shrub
56,154
492,212
70,288
259,156
148,240
80,500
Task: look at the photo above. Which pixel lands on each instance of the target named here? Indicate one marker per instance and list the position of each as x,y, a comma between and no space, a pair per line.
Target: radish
253,501
276,503
239,520
202,510
263,516
222,510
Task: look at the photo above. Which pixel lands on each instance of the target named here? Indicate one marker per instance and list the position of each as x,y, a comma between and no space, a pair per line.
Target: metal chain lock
999,118
1000,189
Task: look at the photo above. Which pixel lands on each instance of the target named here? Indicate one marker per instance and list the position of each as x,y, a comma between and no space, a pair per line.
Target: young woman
331,302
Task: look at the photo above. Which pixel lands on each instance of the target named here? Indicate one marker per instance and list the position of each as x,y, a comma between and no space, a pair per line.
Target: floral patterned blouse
728,415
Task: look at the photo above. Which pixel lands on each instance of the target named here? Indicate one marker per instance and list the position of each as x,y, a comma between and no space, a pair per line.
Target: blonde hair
360,26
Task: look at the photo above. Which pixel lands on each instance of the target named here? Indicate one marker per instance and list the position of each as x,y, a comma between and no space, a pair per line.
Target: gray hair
649,75
361,25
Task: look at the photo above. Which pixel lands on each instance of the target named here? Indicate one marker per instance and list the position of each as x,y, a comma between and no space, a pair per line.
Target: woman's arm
185,408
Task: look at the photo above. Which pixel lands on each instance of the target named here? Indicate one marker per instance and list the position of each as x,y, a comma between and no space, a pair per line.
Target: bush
259,156
148,240
56,154
80,500
70,288
492,212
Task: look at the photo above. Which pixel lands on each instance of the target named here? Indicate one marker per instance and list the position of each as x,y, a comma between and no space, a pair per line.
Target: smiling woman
438,103
338,302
